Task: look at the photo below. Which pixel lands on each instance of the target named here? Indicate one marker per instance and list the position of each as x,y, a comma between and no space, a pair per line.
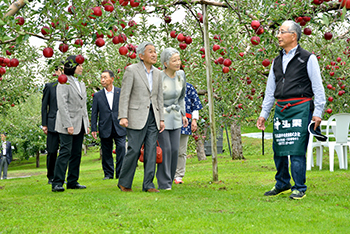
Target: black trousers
70,154
107,157
52,144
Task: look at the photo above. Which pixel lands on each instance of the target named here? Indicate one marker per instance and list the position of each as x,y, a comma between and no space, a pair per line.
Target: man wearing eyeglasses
294,80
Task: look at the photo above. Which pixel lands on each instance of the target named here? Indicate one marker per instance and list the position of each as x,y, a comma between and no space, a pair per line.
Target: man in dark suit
48,120
5,155
141,112
105,107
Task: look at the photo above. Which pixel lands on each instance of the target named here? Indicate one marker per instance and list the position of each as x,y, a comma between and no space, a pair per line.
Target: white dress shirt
109,96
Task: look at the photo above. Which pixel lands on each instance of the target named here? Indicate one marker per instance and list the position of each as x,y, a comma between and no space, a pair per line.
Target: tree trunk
200,150
37,159
236,139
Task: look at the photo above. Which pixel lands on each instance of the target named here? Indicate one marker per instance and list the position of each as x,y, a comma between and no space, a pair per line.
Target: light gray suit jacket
135,97
71,105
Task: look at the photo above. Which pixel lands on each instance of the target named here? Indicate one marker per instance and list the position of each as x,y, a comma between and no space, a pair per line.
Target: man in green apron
293,80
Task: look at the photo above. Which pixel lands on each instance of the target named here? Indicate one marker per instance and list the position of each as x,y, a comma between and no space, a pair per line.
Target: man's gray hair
293,27
142,47
166,55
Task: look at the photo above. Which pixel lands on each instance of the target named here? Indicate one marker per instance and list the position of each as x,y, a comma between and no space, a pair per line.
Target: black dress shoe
57,188
77,186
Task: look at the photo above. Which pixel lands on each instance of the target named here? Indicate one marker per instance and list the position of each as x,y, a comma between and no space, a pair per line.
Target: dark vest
295,82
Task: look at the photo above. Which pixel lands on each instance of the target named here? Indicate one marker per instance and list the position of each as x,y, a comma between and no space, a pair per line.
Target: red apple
240,106
79,42
133,55
329,86
225,69
45,30
8,52
260,30
62,79
79,59
167,19
63,47
14,62
345,3
173,34
134,3
109,6
54,25
328,36
331,73
307,31
132,23
100,42
227,62
329,111
202,50
306,18
12,104
181,37
20,20
122,38
123,50
266,62
340,93
255,24
338,59
216,47
217,37
255,40
115,40
188,40
48,52
2,70
330,99
99,35
110,34
220,60
241,54
70,9
317,2
182,46
97,11
124,2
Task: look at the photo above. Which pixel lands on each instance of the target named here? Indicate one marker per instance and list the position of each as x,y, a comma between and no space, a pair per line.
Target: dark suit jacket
49,106
8,152
100,107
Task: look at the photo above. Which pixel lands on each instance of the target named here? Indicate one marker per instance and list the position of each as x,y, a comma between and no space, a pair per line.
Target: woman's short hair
166,55
70,65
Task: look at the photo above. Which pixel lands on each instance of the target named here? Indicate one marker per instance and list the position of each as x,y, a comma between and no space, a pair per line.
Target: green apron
290,126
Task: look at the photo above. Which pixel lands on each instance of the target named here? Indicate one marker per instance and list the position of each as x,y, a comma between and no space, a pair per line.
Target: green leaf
2,23
19,39
343,14
325,20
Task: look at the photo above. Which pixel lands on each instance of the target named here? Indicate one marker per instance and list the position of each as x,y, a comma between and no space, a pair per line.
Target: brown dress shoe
123,189
153,190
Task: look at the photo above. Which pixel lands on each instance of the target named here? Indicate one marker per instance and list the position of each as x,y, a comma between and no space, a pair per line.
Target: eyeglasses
283,32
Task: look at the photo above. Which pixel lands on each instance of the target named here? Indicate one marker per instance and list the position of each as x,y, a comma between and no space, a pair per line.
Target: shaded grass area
234,204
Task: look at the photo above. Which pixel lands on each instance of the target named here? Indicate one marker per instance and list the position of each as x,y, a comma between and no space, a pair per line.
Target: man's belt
302,100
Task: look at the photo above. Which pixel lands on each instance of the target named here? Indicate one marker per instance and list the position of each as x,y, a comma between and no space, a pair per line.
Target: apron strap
294,104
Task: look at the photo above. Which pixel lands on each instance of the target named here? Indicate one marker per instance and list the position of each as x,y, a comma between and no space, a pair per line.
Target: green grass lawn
235,204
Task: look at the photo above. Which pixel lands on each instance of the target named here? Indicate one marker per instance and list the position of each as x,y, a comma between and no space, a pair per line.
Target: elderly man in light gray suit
141,112
71,123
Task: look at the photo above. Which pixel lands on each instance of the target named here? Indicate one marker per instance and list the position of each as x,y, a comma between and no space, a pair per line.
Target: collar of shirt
74,78
291,52
107,92
146,68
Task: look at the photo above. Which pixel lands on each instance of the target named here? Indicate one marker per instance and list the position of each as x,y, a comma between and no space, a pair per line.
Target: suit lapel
104,98
74,85
115,100
142,73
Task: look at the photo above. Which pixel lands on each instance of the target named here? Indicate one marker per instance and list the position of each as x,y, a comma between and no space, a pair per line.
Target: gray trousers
3,164
181,160
148,135
169,141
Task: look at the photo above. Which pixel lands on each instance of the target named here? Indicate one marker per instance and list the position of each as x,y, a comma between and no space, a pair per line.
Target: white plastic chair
341,143
309,156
